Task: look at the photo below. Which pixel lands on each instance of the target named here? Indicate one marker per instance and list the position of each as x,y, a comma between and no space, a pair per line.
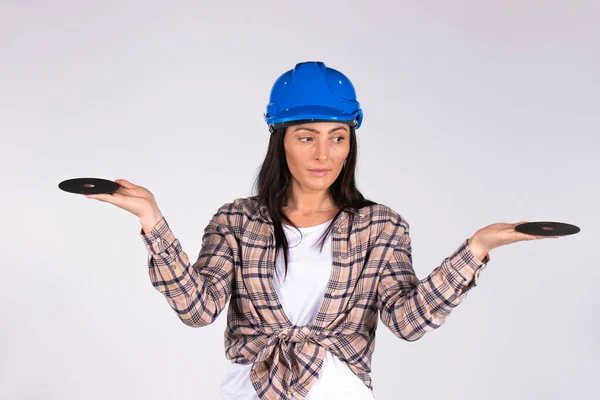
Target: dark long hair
271,188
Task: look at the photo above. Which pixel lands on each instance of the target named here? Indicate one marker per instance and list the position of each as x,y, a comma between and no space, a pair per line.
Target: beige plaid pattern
372,272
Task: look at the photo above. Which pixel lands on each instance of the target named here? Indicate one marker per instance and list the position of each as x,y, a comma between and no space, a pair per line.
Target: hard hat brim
314,113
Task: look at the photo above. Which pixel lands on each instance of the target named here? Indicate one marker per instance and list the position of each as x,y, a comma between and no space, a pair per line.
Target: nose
322,150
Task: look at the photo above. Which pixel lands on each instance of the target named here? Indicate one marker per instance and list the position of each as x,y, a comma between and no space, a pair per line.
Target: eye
341,138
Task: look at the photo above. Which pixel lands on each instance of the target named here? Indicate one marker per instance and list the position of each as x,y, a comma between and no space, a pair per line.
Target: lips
319,172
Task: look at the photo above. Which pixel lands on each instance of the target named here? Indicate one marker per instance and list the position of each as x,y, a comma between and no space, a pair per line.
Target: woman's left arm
410,307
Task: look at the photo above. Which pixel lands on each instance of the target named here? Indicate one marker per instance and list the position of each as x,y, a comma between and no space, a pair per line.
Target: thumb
125,183
519,223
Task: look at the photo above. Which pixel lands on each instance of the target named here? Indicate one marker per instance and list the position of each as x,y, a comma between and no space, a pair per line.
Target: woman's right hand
133,198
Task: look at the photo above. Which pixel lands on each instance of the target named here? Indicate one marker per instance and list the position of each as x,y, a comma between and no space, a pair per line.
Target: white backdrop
476,112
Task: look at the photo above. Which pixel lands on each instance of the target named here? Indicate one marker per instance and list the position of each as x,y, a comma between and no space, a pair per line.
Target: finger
519,223
525,236
544,237
105,197
101,197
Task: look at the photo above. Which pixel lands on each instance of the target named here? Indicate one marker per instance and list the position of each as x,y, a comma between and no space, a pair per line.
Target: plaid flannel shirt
372,272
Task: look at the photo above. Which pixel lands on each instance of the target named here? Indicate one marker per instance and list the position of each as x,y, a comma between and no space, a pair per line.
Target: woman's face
316,145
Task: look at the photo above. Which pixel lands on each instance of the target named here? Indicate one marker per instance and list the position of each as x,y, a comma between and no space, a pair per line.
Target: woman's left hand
500,234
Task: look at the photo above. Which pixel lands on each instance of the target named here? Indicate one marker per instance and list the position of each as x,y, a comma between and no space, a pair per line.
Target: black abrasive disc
546,228
88,186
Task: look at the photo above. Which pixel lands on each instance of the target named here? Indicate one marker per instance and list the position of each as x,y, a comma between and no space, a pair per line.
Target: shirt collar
343,216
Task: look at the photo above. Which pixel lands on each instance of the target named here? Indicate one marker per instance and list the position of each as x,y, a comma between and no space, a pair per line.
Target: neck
303,200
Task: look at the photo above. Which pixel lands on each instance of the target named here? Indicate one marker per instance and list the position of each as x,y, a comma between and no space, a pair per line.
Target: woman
308,262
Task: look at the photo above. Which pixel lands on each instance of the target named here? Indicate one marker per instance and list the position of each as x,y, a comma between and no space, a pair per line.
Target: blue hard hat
312,92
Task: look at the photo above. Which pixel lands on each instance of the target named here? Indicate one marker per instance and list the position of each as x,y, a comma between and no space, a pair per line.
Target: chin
317,185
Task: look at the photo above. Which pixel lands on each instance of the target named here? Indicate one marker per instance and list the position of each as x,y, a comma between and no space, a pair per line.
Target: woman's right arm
199,292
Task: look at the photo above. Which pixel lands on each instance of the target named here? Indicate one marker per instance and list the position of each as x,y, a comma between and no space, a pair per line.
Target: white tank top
301,295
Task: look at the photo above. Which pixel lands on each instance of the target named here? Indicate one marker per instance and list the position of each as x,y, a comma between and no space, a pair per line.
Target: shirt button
174,266
340,258
339,230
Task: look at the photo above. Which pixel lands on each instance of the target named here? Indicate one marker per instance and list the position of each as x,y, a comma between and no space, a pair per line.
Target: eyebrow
316,131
